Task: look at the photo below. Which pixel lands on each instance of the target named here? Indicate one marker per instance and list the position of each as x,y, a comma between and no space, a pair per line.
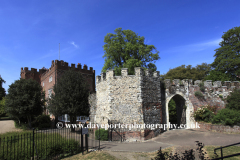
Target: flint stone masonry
130,99
212,94
143,99
219,128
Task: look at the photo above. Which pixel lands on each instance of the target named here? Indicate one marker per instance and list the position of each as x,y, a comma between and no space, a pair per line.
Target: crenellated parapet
49,76
211,89
207,83
33,70
32,74
64,66
139,72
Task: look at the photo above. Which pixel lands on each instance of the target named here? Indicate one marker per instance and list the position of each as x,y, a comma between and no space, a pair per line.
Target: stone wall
214,92
93,104
130,99
219,128
143,99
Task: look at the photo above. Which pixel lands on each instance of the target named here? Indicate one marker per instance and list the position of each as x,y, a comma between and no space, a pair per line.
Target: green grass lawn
98,155
115,155
19,144
226,151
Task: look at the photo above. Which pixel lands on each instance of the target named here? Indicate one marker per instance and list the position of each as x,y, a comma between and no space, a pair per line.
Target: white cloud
147,41
207,44
73,43
195,47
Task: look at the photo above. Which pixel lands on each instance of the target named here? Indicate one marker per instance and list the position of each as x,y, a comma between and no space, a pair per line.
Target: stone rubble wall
130,99
93,104
212,94
219,128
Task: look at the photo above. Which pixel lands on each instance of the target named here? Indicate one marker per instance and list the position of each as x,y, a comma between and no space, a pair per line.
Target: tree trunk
29,121
19,122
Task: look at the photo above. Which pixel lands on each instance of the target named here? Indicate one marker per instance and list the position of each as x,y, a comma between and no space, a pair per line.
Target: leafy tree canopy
70,96
2,90
25,99
188,72
227,56
2,107
215,75
125,49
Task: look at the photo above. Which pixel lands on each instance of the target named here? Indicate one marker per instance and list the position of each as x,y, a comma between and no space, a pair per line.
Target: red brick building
47,78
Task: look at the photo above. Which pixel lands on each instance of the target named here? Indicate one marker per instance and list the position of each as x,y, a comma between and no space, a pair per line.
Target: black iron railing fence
46,144
222,157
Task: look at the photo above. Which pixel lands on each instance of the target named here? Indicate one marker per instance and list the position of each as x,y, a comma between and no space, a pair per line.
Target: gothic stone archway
180,110
180,95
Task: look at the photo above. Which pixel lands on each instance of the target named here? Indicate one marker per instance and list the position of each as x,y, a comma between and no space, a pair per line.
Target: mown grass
226,151
93,155
99,155
19,145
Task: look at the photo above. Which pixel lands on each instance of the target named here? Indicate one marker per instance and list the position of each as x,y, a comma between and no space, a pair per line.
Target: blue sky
183,31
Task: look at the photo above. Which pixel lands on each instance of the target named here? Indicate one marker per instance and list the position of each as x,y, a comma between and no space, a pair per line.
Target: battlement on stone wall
139,72
207,83
216,84
33,70
64,66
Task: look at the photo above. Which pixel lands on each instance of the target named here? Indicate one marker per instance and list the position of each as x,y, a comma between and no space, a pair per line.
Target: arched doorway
176,112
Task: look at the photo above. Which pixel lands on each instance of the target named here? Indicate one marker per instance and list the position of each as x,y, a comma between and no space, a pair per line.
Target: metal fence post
221,153
33,146
86,141
81,141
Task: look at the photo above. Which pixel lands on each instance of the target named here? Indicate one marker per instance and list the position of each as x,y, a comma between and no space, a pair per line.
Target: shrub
220,96
188,154
42,121
103,134
227,116
233,100
201,86
203,114
213,108
199,95
21,122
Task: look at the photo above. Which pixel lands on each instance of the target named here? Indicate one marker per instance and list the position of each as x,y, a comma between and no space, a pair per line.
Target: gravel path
7,126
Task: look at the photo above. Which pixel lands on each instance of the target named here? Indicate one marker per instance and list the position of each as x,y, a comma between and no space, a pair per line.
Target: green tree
188,72
233,100
227,56
70,96
25,99
172,112
125,49
2,107
215,75
2,90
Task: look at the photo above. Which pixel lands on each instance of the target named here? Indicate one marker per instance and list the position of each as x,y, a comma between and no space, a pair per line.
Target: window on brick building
43,84
50,79
49,93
